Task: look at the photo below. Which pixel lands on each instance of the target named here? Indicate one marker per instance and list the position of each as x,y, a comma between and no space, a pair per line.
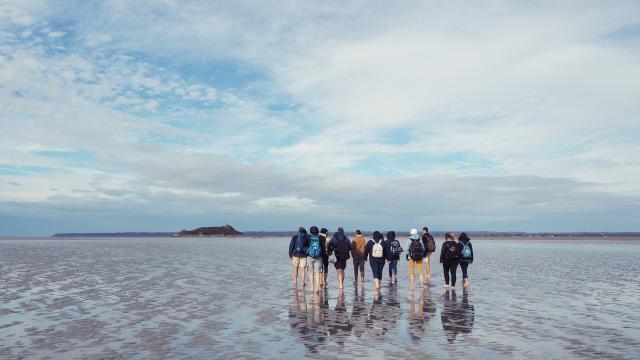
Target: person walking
449,257
314,258
430,247
298,254
466,257
325,258
357,252
376,253
415,254
393,256
341,245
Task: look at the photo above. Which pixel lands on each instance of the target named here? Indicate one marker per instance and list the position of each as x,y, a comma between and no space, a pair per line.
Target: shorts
413,264
340,264
314,265
299,262
427,258
358,264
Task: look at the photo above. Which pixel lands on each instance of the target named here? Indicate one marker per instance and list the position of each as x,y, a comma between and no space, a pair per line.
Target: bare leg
421,281
295,276
411,277
304,277
428,266
312,281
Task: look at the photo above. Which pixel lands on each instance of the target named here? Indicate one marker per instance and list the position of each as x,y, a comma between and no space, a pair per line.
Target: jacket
357,247
334,241
369,249
305,244
443,250
390,256
324,243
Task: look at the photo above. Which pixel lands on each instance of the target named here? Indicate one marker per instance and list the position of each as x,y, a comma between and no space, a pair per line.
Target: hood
359,237
414,237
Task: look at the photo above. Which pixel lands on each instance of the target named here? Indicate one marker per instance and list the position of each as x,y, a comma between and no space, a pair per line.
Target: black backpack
452,250
342,249
415,250
396,249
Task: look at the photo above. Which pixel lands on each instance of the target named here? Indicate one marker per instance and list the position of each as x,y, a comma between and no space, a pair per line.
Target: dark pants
450,266
325,264
376,269
358,264
393,268
464,265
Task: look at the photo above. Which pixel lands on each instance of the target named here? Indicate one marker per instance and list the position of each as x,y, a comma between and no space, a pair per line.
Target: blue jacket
305,244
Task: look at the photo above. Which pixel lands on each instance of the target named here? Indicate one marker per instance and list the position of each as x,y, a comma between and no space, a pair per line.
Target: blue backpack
314,250
299,249
466,251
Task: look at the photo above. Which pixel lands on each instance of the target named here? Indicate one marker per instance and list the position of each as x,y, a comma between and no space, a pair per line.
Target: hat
413,231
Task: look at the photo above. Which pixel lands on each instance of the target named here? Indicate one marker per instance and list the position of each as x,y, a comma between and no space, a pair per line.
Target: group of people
312,252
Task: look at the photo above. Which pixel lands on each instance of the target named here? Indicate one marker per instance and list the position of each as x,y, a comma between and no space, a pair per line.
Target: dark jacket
462,243
369,248
443,250
334,241
305,244
390,256
323,242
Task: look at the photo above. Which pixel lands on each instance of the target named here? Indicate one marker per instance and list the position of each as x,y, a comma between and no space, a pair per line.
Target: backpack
431,244
377,251
299,249
396,249
342,249
416,250
466,251
314,250
452,251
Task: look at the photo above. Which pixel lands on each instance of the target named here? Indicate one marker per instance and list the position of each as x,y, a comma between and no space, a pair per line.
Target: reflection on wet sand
457,317
313,320
306,319
421,309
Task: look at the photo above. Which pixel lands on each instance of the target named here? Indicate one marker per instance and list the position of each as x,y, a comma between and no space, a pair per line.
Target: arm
442,253
353,246
291,246
330,246
367,250
471,247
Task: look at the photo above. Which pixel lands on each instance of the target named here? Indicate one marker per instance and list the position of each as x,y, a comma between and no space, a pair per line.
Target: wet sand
223,298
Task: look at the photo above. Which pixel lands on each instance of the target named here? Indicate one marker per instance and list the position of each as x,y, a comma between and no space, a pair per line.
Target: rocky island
226,230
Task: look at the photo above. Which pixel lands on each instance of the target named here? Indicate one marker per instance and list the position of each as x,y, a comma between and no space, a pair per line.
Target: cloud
492,116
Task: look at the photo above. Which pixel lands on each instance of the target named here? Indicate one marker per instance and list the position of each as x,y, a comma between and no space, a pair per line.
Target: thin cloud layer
163,115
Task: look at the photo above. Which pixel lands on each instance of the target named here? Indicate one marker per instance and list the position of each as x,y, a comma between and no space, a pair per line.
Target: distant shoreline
264,234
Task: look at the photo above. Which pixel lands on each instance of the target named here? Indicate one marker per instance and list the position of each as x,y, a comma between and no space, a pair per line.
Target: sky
164,115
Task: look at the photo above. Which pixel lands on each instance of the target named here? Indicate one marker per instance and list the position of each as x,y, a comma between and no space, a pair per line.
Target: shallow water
223,298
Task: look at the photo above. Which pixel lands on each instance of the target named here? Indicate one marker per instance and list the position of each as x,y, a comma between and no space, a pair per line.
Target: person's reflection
376,320
306,320
457,318
298,313
421,309
340,322
359,313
